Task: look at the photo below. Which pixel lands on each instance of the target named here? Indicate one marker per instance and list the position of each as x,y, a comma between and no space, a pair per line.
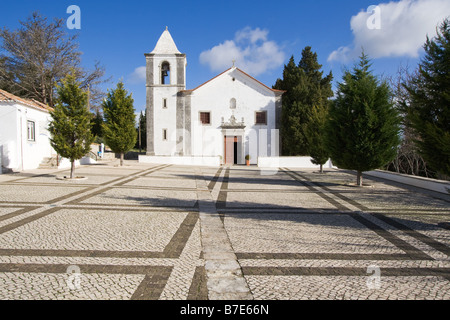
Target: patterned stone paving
309,251
173,233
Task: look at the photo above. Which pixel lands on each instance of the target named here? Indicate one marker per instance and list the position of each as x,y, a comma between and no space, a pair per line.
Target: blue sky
260,35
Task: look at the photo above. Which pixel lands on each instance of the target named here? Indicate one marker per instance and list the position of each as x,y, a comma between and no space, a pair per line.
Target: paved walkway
174,232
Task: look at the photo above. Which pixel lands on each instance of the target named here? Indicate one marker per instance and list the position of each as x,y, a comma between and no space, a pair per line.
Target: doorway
232,149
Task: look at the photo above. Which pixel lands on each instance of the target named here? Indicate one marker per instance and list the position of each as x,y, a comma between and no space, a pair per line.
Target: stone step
48,163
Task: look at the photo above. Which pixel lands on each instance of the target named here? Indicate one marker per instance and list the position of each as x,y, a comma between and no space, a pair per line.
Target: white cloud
402,31
251,49
138,75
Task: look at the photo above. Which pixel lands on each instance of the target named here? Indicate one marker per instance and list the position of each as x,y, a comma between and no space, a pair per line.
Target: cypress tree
70,127
97,122
363,127
306,89
289,137
316,134
428,108
143,132
119,128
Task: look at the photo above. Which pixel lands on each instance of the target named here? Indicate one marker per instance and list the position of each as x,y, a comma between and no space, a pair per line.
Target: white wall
289,162
421,182
214,97
8,135
165,119
188,161
19,153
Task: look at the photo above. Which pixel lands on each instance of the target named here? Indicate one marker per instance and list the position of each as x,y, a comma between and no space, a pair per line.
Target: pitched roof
249,76
165,44
5,96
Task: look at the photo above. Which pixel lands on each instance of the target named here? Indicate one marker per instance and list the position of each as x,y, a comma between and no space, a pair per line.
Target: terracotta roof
273,90
9,97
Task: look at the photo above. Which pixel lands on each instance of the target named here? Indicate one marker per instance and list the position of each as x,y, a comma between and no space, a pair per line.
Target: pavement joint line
228,283
436,245
172,250
339,206
214,180
406,247
95,190
252,269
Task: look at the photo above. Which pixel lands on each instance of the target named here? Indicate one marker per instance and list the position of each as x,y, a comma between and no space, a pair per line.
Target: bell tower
166,77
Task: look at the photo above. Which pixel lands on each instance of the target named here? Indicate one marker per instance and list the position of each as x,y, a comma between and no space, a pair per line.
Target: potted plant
247,159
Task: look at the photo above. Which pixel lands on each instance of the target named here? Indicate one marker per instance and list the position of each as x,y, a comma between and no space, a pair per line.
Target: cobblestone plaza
161,232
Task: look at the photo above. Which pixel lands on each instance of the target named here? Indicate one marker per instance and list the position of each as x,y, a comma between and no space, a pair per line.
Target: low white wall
421,182
290,162
188,161
65,163
87,161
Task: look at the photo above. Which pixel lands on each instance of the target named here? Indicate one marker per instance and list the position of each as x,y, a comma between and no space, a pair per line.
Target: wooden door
229,152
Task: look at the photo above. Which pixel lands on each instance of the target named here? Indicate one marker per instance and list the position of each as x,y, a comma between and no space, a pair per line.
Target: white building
222,120
24,135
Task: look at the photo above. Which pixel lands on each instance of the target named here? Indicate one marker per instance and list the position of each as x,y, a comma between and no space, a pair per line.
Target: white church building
219,122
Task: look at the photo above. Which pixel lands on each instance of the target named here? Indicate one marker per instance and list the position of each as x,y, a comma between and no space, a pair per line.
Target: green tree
363,126
97,125
316,134
428,107
141,142
119,128
288,117
306,89
70,127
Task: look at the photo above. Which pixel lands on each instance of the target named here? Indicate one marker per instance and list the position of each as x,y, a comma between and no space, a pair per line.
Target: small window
31,131
261,117
164,103
233,103
164,135
205,117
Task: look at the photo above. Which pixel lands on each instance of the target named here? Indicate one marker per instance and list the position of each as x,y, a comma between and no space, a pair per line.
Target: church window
165,73
205,117
164,103
164,136
233,103
261,117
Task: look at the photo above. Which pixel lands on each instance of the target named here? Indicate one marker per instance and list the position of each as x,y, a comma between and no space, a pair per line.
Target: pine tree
428,108
289,82
119,127
363,127
71,122
141,130
316,135
97,123
306,89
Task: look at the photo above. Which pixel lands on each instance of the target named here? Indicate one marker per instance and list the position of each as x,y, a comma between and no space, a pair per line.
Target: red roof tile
9,97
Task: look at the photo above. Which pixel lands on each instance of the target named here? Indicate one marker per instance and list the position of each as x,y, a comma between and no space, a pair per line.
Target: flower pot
248,162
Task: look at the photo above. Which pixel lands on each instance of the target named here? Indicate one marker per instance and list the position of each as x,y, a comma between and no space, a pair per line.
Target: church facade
219,122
